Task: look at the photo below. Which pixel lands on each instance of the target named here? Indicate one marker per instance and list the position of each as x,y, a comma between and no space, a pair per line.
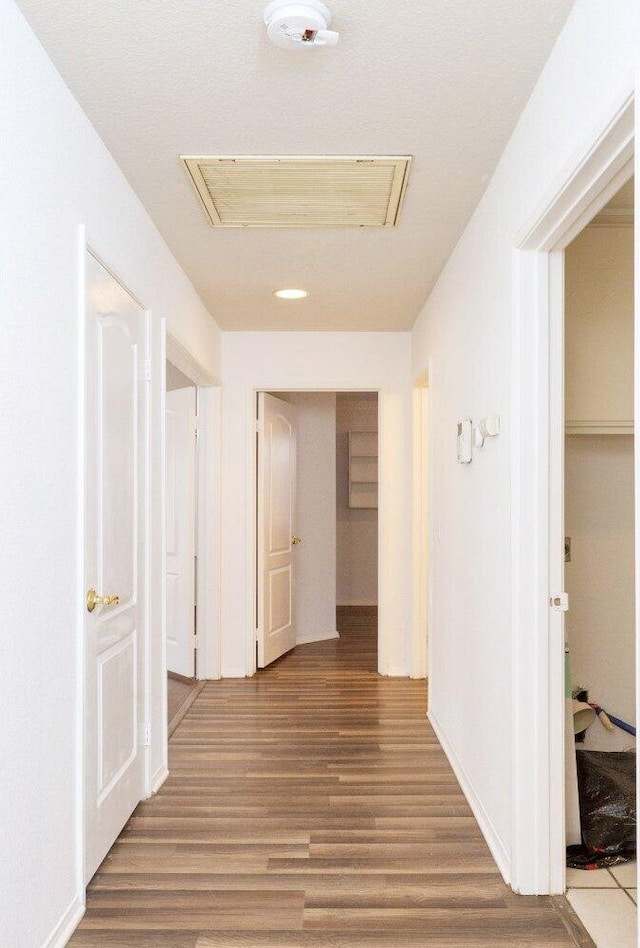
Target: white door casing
115,458
181,529
276,511
421,533
593,177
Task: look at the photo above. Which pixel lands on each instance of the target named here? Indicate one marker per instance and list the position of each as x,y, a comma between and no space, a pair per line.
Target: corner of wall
498,850
67,925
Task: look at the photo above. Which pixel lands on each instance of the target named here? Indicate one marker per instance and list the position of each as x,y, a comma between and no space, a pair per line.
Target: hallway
309,806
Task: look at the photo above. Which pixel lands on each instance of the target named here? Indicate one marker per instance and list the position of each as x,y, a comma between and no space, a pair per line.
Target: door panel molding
276,508
115,456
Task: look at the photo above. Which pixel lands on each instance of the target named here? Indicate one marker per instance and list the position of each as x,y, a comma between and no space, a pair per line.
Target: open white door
181,521
276,538
115,459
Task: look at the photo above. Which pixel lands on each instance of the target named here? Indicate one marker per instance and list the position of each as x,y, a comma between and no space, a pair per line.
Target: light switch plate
465,441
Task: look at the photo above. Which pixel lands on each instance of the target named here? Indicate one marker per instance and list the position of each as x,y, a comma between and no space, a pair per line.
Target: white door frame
422,467
208,520
585,186
383,631
164,346
181,499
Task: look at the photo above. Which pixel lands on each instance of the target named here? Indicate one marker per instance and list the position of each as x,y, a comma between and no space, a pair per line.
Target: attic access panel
290,191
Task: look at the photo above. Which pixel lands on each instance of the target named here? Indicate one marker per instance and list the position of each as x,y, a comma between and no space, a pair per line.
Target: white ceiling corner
443,81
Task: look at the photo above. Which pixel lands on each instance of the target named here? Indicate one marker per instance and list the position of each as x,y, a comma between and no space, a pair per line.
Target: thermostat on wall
465,441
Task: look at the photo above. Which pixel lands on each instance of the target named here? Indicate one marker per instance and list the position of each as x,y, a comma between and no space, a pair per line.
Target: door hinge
196,643
196,432
147,734
560,602
146,370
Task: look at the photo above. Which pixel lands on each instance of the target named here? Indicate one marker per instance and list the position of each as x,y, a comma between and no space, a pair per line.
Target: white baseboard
67,925
317,637
487,828
234,673
397,673
159,778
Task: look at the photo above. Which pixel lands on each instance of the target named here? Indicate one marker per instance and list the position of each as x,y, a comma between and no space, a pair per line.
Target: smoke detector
299,25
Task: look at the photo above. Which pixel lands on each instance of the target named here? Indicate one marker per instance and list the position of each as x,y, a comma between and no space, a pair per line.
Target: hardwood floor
181,693
309,806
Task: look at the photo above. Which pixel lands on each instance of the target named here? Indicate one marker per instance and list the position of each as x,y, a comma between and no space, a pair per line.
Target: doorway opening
594,176
357,514
599,563
316,519
181,498
192,530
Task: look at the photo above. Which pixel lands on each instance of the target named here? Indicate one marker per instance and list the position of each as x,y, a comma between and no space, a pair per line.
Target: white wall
57,176
315,557
357,529
465,328
599,325
308,361
176,379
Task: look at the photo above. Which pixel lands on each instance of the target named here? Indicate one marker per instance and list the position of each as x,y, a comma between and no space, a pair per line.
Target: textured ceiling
442,80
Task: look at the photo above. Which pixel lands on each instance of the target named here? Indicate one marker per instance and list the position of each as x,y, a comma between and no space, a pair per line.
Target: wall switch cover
465,441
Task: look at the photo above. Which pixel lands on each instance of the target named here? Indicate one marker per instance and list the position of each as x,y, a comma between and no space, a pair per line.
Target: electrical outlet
567,549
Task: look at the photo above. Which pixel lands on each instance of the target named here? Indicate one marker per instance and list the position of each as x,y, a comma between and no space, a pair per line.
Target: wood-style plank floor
309,807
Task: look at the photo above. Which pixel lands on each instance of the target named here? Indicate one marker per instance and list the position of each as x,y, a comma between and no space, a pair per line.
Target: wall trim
422,554
79,777
236,673
189,365
67,925
209,530
156,650
586,183
158,778
487,828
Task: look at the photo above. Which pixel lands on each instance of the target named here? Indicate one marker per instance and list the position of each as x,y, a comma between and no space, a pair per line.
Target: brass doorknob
295,539
93,600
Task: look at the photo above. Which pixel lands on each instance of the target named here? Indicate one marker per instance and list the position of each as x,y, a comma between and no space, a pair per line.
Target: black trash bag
607,794
579,857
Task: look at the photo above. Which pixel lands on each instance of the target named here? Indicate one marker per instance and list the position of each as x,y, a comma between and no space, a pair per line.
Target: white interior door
276,538
181,529
115,459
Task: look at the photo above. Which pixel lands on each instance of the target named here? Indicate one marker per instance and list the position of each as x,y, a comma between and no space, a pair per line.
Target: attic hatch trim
401,164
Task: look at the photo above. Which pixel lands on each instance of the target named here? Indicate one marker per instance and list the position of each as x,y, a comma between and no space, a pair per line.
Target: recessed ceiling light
291,294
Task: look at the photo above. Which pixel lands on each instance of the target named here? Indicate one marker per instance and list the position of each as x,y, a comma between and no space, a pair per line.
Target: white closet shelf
600,426
363,469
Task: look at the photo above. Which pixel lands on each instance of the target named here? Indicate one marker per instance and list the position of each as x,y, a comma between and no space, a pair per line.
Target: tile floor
604,901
